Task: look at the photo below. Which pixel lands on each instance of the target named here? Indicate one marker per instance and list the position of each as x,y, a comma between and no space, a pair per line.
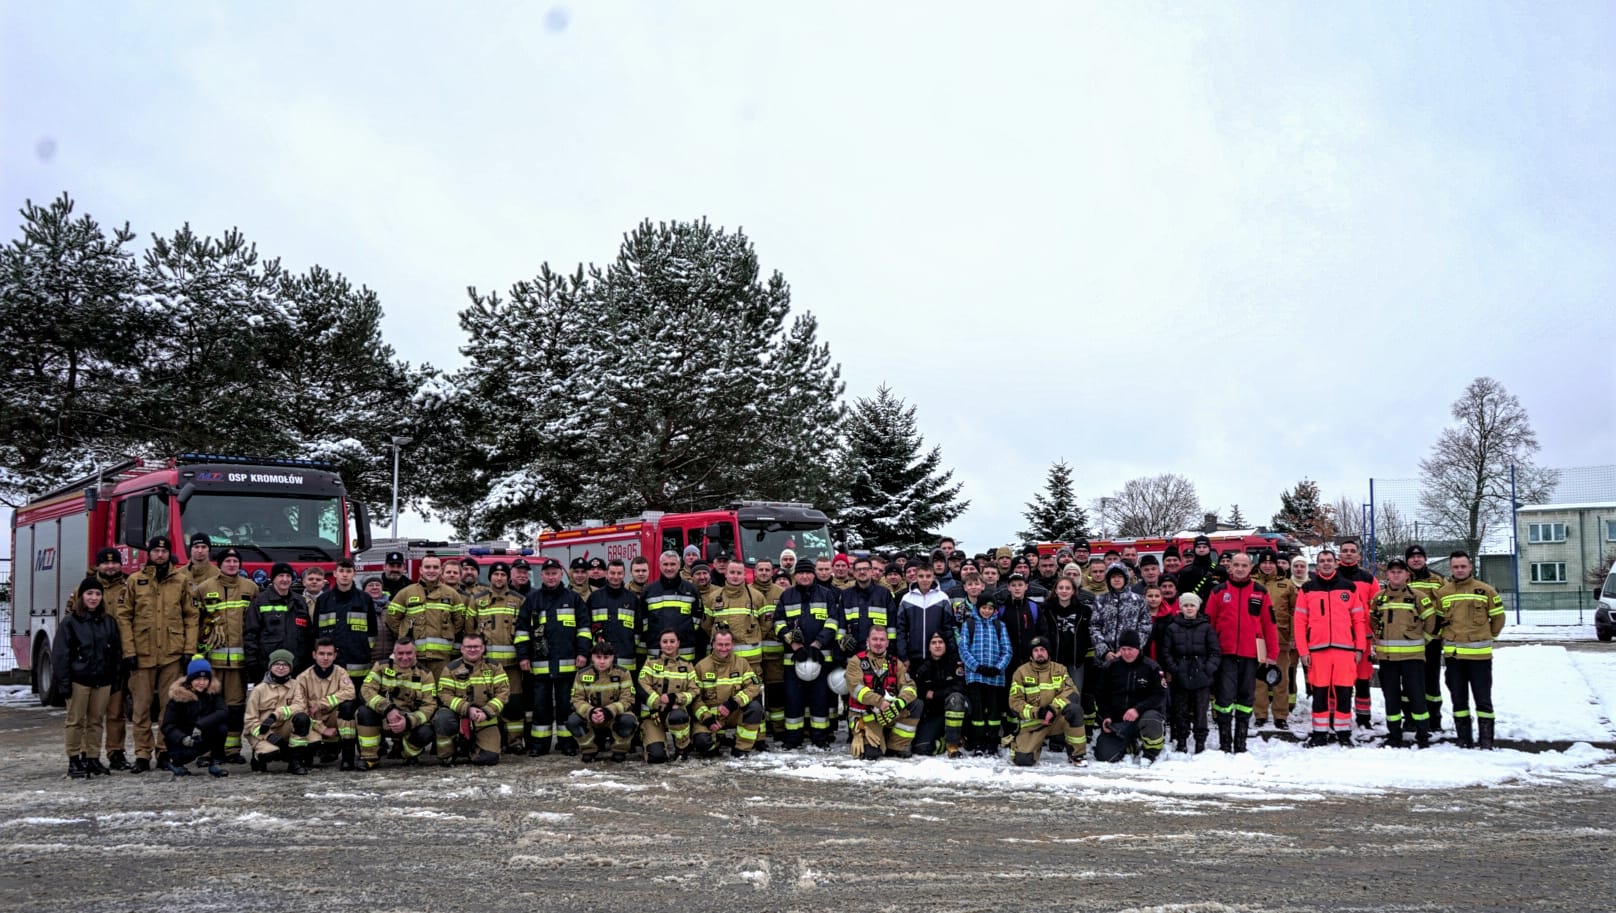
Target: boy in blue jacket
984,650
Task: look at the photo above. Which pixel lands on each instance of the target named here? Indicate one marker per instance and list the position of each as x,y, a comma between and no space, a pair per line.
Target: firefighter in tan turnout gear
270,710
399,697
328,697
729,697
158,630
669,684
603,705
492,612
474,691
882,704
429,613
222,602
1045,702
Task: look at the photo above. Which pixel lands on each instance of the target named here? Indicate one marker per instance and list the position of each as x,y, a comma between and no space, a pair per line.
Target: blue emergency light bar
187,458
483,550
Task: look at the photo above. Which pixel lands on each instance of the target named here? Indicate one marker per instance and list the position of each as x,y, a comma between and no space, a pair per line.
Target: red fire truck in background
749,530
271,510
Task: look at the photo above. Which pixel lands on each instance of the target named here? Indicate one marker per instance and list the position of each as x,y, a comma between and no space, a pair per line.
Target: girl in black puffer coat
1190,655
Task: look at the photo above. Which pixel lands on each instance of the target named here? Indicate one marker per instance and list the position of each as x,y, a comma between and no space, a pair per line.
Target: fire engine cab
271,510
749,530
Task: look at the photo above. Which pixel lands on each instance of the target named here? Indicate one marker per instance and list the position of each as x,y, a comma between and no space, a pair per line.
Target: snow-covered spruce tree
219,311
70,323
896,495
1053,514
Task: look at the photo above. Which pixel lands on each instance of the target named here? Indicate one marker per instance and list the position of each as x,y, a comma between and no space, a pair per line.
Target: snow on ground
1550,632
1580,687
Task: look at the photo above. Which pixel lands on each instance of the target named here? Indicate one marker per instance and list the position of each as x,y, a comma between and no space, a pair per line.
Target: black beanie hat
88,584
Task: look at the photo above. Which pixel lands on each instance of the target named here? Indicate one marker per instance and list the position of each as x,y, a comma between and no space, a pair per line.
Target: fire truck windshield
293,524
768,540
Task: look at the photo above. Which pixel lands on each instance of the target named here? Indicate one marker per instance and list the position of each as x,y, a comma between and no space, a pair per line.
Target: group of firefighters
936,654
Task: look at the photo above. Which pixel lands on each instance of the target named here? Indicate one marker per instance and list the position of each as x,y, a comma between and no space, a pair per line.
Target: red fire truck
749,530
271,510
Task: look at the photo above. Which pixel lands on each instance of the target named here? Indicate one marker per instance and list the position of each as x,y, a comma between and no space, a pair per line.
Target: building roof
1568,508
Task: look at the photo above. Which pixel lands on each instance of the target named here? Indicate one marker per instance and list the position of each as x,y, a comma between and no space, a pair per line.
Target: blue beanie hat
198,667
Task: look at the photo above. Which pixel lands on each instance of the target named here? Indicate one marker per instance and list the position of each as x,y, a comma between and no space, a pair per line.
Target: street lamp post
399,441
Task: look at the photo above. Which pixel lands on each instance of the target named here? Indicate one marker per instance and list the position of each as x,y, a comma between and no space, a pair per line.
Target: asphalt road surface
547,834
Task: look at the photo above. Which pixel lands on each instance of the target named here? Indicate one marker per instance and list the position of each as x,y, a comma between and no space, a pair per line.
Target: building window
1610,530
1548,572
1545,532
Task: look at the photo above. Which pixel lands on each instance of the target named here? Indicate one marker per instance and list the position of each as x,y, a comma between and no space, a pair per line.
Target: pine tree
1236,519
665,381
1053,514
897,498
71,328
1303,514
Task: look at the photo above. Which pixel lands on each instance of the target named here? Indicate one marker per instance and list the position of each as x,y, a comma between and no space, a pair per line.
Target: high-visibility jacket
871,678
159,623
431,614
676,677
810,615
1036,686
741,608
349,619
1366,583
320,694
223,606
1472,616
1426,582
483,684
1242,614
720,680
412,692
275,622
616,616
672,605
1330,615
1401,619
492,613
267,698
612,690
555,616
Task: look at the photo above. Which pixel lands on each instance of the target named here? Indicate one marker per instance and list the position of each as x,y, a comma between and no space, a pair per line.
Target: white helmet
808,669
838,684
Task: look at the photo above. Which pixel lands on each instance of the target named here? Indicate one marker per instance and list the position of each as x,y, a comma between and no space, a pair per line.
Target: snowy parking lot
1279,828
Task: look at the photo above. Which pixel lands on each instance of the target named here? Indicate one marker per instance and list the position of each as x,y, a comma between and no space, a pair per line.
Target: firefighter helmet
808,669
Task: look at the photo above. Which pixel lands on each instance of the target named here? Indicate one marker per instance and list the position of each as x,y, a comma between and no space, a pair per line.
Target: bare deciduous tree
1155,506
1465,487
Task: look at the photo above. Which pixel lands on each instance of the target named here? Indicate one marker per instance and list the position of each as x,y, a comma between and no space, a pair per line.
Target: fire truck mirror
91,499
361,522
187,491
134,523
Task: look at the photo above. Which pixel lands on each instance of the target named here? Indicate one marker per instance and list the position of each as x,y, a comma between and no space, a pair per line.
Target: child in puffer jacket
984,651
1190,656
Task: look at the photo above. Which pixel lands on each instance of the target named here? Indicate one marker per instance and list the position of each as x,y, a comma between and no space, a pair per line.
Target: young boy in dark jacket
84,660
194,722
1190,656
940,683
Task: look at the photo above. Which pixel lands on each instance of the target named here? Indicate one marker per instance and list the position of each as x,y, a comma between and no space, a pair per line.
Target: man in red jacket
1332,636
1243,618
1368,589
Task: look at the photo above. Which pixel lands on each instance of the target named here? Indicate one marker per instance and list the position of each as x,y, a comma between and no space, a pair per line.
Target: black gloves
130,664
987,670
848,643
541,648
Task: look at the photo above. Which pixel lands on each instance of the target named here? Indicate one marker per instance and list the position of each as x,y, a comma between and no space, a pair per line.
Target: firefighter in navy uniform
1400,620
1422,580
614,614
346,615
552,634
603,705
474,691
1472,616
277,620
669,684
492,613
806,622
672,603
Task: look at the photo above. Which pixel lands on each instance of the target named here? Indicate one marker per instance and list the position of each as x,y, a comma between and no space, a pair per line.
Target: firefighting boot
1242,726
346,758
95,767
1461,729
1394,734
297,761
1225,733
1364,721
1422,734
1317,740
1485,739
117,760
75,767
1343,738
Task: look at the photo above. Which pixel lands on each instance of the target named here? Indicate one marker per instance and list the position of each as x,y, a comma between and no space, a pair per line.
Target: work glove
188,742
987,670
729,707
848,643
270,720
793,637
130,664
541,648
800,655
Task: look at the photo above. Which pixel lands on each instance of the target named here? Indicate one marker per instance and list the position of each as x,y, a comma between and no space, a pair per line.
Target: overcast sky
1245,243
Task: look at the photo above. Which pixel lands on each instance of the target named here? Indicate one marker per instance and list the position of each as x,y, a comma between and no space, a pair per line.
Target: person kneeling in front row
603,705
194,722
1132,698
